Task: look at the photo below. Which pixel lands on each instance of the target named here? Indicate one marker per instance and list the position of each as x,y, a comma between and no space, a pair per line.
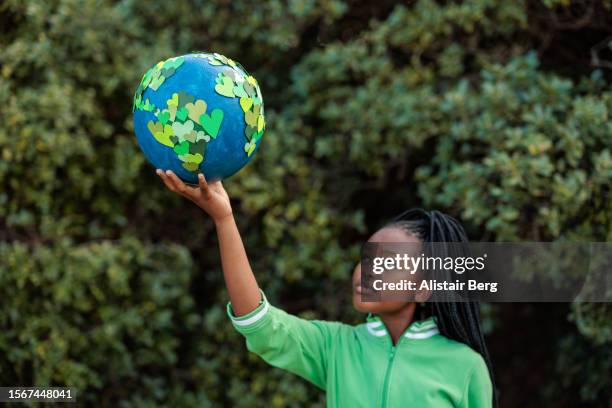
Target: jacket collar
418,330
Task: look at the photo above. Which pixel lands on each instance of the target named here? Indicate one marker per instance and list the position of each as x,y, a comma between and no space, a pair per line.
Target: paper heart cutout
164,117
191,137
212,123
172,112
182,129
173,101
239,90
239,77
257,136
198,148
226,87
184,98
250,147
146,79
261,122
166,72
148,106
202,136
161,133
230,74
190,166
196,158
249,89
220,57
181,114
156,82
182,148
137,100
246,103
155,127
248,132
196,110
173,62
251,118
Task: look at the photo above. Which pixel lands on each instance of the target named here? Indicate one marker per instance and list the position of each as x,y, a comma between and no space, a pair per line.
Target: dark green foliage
496,111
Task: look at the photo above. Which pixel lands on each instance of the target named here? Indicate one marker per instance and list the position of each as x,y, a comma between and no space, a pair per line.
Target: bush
492,110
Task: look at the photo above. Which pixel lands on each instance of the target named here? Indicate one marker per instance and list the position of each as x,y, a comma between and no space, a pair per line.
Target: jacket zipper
387,374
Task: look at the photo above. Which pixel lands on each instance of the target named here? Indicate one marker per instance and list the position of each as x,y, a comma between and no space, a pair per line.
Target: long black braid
459,321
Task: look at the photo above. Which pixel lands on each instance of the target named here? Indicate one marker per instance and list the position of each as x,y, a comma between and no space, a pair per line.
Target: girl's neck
397,322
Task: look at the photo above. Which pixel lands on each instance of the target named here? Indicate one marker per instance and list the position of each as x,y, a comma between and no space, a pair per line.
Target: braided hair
459,321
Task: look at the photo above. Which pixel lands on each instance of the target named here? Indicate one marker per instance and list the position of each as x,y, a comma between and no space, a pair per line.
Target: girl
433,357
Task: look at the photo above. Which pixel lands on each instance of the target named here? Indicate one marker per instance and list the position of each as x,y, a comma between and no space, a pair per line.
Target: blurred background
495,111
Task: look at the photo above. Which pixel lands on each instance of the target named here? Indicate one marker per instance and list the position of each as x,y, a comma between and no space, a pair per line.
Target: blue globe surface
199,113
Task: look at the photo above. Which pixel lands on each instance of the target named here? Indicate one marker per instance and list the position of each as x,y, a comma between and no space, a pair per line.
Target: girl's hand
212,197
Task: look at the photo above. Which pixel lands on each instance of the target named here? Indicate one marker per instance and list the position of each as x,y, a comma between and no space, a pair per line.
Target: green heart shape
240,92
225,87
249,89
196,109
182,148
156,83
198,147
137,101
249,132
146,79
257,136
164,117
161,133
220,57
250,147
190,166
181,114
182,129
185,98
230,74
173,62
167,72
251,118
148,106
212,123
196,158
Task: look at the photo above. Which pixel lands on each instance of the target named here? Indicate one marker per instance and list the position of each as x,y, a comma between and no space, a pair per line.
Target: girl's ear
422,296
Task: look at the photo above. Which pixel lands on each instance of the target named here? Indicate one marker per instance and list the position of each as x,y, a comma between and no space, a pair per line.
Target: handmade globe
198,113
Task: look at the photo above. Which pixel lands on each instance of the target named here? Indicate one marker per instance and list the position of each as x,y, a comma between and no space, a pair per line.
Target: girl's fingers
166,180
216,186
204,185
177,183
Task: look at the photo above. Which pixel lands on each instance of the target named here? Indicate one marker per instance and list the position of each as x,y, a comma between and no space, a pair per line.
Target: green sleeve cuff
252,320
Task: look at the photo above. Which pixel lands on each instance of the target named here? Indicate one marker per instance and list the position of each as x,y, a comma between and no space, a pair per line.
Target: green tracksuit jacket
358,366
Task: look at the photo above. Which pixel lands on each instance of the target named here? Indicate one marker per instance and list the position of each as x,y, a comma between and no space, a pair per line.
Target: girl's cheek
357,273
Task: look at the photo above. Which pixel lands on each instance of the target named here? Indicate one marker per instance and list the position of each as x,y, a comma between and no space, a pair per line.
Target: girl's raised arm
298,345
213,199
